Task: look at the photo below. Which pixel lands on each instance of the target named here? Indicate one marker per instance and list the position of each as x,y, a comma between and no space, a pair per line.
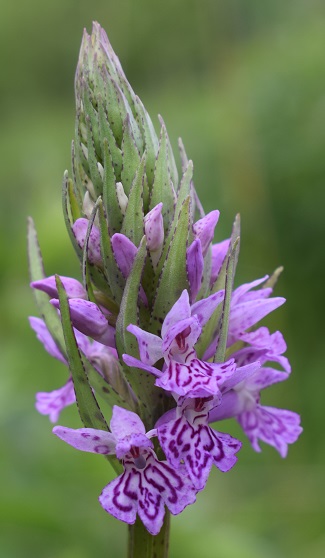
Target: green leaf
112,206
224,318
114,276
91,113
162,189
116,112
125,341
150,139
36,272
88,407
107,135
197,209
171,159
211,327
173,278
93,160
67,213
89,410
273,279
133,220
141,382
185,186
85,263
103,388
221,279
130,156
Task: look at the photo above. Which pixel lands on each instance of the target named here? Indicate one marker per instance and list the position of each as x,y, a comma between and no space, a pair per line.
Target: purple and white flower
102,357
147,485
187,438
276,427
184,373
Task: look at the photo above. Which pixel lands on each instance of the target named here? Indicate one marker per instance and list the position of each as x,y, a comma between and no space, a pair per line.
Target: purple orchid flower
263,346
102,357
194,266
124,253
247,309
79,229
218,254
73,288
51,403
87,317
183,373
203,229
188,438
276,427
146,485
154,230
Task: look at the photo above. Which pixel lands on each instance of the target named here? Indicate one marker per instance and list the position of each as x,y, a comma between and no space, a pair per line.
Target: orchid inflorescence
156,328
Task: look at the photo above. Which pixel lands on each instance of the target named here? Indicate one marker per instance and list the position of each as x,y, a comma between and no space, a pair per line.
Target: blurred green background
243,83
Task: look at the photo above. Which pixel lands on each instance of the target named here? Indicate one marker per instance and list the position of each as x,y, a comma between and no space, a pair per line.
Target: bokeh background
243,83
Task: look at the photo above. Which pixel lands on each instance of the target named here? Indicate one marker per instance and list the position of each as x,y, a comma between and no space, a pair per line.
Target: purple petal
218,252
135,363
271,347
120,497
181,442
87,439
166,417
262,339
266,377
124,252
51,403
149,344
245,315
198,447
196,379
224,448
124,423
239,375
154,228
179,311
276,427
180,339
203,309
87,318
131,441
79,228
73,288
175,487
241,292
146,490
44,336
204,229
194,267
229,407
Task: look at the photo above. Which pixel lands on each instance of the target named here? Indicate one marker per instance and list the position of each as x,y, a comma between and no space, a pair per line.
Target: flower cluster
156,327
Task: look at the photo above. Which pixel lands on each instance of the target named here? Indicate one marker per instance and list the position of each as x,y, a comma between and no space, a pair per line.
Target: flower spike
158,331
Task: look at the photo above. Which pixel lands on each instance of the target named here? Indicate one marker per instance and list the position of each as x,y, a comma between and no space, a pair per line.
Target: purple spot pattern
195,379
198,446
276,427
146,492
51,403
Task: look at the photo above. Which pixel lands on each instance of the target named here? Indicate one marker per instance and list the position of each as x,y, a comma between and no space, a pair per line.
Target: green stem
144,545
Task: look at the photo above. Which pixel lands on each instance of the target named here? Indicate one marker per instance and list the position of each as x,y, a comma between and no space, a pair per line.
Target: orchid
147,484
155,327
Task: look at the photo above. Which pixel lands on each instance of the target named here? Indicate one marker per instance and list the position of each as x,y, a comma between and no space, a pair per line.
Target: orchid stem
144,545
